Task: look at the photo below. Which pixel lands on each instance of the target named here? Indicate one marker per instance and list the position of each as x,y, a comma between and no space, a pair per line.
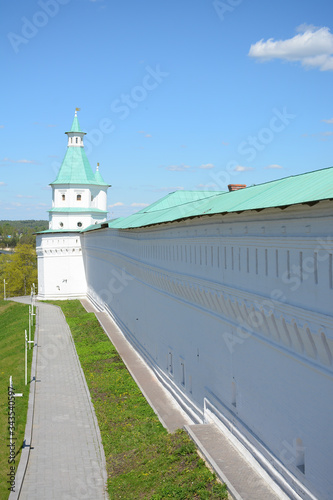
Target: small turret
75,135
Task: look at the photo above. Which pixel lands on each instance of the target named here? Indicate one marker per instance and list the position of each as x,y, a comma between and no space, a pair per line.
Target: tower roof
75,168
75,125
98,177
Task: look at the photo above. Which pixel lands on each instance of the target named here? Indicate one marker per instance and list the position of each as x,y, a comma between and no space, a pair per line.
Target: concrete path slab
66,459
242,479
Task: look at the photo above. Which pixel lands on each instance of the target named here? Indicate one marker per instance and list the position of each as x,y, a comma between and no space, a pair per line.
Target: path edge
23,463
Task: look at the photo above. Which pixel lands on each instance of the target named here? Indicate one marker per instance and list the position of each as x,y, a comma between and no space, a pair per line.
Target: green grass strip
14,320
143,460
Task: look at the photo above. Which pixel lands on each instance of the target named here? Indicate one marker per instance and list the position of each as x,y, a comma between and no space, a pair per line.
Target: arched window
78,197
76,140
61,224
63,197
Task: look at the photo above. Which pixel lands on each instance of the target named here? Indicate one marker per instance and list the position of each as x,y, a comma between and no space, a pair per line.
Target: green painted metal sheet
309,187
99,179
59,231
75,125
76,169
304,188
179,198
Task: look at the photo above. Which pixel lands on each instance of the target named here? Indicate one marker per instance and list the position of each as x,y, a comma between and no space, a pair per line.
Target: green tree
21,271
28,238
4,261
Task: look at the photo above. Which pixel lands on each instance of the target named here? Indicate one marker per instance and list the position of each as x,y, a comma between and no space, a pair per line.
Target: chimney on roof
236,187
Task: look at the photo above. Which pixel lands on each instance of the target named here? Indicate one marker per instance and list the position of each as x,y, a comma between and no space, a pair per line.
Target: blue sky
174,94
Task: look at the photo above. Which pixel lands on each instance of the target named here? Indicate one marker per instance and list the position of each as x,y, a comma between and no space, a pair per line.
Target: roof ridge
287,177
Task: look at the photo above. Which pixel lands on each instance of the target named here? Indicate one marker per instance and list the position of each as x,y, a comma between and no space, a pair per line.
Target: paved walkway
242,479
66,459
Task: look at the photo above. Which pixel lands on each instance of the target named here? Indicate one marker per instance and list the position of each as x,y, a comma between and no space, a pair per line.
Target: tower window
79,224
78,197
76,140
63,197
61,224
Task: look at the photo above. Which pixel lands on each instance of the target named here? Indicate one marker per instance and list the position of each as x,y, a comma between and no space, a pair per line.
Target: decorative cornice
297,331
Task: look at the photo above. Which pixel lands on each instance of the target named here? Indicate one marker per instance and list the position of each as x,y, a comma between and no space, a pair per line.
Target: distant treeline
13,232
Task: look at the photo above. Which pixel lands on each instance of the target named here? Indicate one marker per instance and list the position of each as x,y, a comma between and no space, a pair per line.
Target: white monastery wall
234,313
61,272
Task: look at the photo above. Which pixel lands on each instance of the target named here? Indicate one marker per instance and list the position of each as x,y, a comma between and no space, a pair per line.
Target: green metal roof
76,169
99,179
75,125
72,210
303,188
161,210
179,198
307,188
59,231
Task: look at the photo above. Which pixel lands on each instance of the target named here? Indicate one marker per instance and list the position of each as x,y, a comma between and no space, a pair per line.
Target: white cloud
117,204
312,47
2,126
207,166
178,168
321,136
273,166
145,133
9,160
188,168
240,168
328,121
139,205
3,184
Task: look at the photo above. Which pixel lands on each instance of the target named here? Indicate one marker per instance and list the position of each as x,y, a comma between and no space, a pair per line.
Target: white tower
79,199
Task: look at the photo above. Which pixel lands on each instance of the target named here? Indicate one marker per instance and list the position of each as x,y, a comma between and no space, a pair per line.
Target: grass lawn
13,320
143,460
